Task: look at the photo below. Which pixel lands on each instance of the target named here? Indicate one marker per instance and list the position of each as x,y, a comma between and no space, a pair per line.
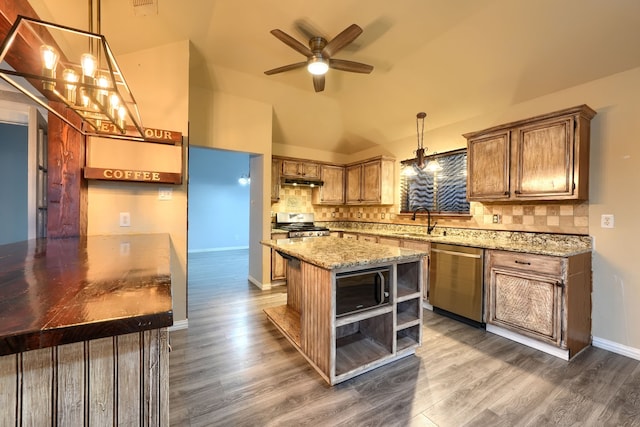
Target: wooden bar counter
83,338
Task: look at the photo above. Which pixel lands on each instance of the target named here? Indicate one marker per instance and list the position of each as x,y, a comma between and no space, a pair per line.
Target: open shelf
408,313
408,337
356,317
408,279
363,342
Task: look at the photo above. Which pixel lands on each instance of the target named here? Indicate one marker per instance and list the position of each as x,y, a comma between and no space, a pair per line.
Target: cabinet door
278,266
275,180
545,159
526,303
332,191
488,167
310,170
290,168
353,184
368,238
371,182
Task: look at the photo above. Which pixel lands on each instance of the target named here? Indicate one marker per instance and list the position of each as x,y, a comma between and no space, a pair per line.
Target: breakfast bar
83,330
352,306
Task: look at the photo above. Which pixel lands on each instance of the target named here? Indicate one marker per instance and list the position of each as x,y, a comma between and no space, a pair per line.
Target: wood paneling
109,381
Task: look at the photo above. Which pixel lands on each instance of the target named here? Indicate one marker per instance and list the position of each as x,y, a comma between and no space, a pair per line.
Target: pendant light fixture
409,167
75,68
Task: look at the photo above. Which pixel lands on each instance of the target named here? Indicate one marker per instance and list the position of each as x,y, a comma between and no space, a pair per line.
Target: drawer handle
523,262
506,193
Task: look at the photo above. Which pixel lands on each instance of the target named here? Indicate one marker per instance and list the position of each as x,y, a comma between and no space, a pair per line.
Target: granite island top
337,253
60,291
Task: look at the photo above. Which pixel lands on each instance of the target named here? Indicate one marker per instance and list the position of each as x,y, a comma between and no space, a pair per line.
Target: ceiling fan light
318,66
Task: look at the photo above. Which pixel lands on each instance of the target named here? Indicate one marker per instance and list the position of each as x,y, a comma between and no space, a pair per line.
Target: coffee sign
113,174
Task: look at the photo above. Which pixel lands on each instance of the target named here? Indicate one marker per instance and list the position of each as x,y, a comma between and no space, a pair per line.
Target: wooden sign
150,134
112,174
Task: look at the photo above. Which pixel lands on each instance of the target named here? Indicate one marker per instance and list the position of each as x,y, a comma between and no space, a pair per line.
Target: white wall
146,72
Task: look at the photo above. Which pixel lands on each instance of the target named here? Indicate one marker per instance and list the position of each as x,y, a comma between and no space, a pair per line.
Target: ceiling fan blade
351,66
318,82
285,68
348,35
292,43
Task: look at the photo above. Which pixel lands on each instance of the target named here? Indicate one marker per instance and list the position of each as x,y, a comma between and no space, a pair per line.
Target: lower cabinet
544,298
278,263
421,246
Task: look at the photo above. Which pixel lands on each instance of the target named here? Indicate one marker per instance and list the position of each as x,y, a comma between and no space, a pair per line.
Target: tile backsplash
543,217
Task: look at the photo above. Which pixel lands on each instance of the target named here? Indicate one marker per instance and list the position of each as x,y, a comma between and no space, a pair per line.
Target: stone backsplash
549,217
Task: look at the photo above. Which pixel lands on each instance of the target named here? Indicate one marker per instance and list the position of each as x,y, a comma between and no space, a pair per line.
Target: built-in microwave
362,290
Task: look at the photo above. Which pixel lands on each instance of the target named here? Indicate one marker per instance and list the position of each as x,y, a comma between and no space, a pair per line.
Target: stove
299,225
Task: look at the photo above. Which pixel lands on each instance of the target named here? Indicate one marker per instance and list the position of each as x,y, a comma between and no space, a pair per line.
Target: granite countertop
60,291
337,253
533,243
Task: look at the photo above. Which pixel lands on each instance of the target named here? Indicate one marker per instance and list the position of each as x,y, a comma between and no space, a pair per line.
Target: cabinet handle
523,262
506,193
517,192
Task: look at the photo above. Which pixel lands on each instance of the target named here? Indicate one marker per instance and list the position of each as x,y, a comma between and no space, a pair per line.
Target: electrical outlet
125,219
165,193
382,215
359,214
333,214
496,219
607,221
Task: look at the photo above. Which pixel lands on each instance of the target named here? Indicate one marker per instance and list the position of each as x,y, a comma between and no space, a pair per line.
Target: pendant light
84,77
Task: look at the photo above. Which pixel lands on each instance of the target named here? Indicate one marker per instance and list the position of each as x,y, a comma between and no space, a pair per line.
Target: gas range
299,225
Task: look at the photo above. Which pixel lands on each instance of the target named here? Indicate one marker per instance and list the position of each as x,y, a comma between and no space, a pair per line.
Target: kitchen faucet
429,226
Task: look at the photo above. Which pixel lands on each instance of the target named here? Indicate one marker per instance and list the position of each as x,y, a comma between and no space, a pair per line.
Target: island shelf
341,347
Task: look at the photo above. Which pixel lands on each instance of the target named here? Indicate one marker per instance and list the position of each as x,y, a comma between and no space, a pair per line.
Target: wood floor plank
233,367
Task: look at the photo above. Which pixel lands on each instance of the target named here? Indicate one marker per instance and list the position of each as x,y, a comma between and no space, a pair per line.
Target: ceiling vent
144,7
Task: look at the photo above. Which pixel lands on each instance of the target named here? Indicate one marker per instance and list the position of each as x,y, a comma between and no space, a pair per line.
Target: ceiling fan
319,55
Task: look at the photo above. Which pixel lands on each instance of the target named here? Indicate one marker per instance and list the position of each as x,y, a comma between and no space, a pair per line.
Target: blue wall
13,183
218,204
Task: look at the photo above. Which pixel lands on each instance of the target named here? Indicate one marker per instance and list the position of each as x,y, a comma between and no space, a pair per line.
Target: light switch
607,221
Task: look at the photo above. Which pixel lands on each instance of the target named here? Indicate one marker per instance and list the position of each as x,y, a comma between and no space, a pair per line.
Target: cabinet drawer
540,264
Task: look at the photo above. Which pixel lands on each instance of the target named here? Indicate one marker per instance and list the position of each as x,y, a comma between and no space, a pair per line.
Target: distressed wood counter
83,336
341,346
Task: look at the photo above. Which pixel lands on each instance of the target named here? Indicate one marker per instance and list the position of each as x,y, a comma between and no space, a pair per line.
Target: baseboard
259,284
229,248
530,342
179,324
615,347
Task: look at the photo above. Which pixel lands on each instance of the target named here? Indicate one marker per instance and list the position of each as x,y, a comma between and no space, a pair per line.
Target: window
443,191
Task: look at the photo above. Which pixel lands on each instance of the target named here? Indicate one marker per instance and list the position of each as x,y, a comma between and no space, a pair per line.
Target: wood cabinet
300,169
543,298
278,262
276,165
332,190
370,182
541,158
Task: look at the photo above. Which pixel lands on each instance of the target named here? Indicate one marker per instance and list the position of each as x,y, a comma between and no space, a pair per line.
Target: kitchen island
341,345
83,336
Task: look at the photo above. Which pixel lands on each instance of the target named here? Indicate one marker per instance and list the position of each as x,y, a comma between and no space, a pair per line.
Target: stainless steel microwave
362,290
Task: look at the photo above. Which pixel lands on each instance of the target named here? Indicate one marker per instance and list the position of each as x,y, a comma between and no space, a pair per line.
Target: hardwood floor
231,367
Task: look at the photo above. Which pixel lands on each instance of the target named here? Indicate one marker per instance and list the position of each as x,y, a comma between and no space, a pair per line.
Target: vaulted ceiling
454,59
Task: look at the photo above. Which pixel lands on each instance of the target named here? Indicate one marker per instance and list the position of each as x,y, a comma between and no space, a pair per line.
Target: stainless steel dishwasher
455,280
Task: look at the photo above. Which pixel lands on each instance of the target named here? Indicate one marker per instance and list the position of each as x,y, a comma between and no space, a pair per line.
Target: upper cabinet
300,169
370,182
541,158
332,190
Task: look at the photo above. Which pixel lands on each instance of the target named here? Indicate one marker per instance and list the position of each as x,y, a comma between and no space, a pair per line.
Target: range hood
302,182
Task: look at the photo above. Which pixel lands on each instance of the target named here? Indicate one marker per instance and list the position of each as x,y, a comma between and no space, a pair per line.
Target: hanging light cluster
432,165
89,83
